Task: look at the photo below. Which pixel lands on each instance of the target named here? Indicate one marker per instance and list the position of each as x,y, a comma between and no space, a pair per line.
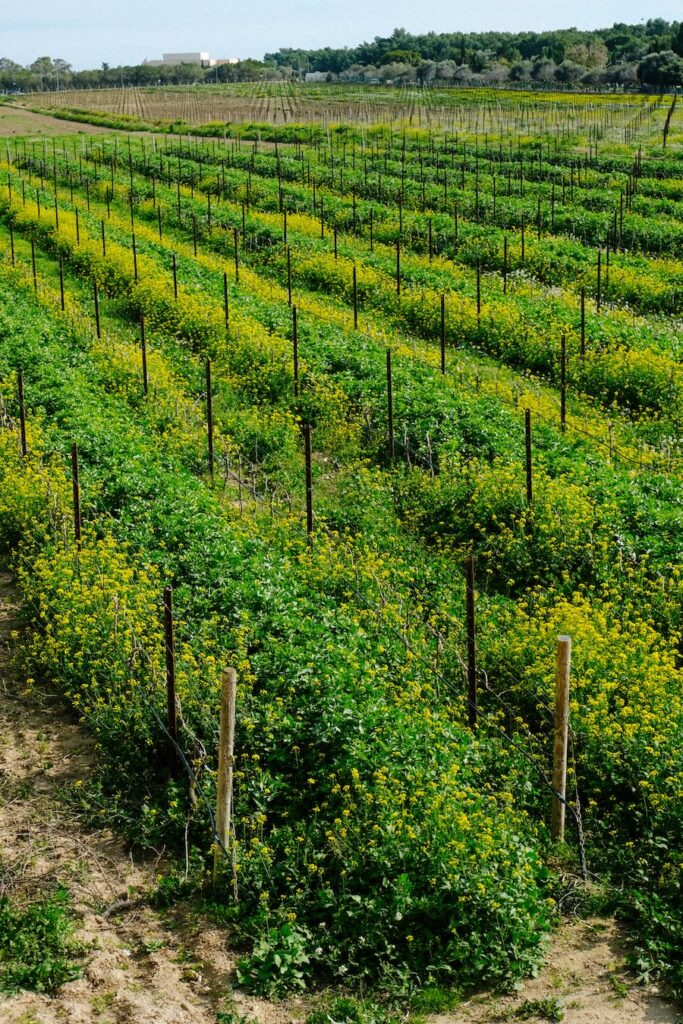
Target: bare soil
140,965
18,121
585,973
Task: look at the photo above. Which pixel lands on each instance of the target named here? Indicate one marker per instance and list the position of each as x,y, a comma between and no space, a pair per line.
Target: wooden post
289,276
443,333
564,653
523,247
135,259
143,346
597,296
505,265
472,705
226,303
226,761
172,714
76,493
209,416
583,322
529,468
309,481
398,267
390,405
22,415
563,383
355,299
33,264
295,350
96,297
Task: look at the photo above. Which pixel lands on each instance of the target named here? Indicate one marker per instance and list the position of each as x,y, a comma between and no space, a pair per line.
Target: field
466,110
313,370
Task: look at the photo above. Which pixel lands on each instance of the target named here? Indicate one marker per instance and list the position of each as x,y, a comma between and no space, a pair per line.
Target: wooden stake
563,669
529,467
563,383
226,761
289,276
398,267
33,265
583,322
226,303
22,415
171,709
443,333
505,265
597,296
143,346
355,299
390,405
473,709
96,297
209,416
309,481
295,350
76,493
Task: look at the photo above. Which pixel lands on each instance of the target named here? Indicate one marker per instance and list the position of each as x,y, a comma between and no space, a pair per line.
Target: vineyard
271,103
371,413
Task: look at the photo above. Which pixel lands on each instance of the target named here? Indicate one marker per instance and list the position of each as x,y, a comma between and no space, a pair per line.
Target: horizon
82,35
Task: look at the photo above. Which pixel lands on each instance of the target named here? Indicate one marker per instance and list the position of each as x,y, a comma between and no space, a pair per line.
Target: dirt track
17,121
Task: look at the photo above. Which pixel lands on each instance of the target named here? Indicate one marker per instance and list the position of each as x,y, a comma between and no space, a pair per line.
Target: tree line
650,53
627,56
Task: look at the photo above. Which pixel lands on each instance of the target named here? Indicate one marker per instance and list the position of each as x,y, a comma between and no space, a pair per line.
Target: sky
88,32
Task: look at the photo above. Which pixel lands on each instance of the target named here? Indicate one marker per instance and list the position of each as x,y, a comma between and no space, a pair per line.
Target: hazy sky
87,32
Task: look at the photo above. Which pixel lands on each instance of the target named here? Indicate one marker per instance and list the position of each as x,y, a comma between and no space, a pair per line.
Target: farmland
312,370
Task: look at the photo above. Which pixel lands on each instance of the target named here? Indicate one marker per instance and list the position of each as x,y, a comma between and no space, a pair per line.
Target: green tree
677,45
402,57
661,69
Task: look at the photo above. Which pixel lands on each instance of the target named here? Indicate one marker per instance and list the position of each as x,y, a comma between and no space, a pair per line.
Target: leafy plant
37,949
275,965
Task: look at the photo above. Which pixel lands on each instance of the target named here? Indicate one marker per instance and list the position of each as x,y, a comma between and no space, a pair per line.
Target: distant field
15,121
483,110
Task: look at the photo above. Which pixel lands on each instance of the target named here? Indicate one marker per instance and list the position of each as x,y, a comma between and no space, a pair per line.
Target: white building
200,57
197,57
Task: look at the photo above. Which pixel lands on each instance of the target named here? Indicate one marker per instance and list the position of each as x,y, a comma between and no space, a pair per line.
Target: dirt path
18,121
139,967
585,974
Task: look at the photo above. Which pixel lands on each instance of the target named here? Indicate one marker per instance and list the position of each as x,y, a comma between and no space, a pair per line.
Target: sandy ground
17,121
585,973
142,967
